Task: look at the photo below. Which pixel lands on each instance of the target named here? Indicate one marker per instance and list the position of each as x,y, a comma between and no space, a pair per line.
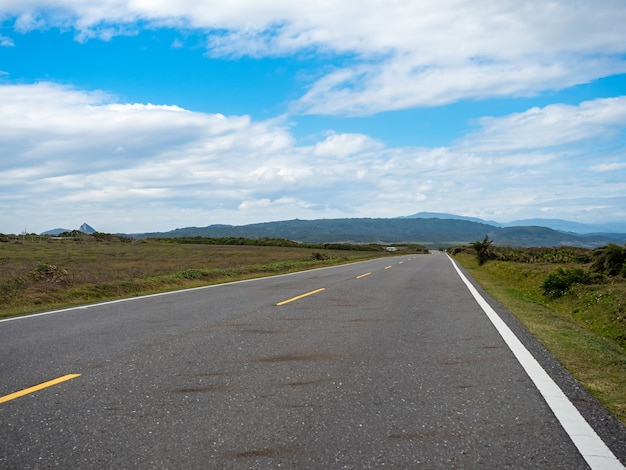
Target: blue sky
140,116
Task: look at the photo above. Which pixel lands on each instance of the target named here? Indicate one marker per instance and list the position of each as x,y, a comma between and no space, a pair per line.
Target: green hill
428,231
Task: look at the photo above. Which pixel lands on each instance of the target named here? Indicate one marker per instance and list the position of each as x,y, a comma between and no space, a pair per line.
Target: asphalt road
392,365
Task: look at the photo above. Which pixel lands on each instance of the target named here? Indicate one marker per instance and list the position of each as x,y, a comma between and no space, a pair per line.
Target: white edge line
592,448
129,299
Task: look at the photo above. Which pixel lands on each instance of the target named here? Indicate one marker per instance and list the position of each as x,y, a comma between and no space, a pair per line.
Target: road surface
389,363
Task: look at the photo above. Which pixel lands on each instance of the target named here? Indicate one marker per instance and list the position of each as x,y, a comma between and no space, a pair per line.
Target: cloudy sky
144,115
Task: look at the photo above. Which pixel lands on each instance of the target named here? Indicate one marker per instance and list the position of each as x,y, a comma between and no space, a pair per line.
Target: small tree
482,250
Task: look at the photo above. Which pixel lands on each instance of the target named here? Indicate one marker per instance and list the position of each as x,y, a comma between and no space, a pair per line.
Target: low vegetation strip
575,308
41,273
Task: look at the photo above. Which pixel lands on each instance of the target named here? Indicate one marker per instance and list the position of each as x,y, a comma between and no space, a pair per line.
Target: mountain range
555,224
432,229
427,228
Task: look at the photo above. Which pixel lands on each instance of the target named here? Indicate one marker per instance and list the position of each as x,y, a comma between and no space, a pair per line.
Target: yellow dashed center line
388,267
300,296
36,388
363,275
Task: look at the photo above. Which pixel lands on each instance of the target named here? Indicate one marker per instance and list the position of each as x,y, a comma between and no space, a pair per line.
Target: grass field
585,328
43,273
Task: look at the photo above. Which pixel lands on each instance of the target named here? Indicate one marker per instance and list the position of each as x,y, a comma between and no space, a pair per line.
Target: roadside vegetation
40,273
572,299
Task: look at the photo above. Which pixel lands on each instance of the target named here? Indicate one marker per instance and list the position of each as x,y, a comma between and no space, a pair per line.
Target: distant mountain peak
86,228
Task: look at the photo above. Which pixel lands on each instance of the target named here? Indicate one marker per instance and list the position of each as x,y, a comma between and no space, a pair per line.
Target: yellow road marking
388,267
301,296
363,275
36,388
400,262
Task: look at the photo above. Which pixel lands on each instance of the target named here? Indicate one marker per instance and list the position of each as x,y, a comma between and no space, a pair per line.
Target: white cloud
69,150
609,167
403,53
6,41
82,156
397,83
344,145
551,126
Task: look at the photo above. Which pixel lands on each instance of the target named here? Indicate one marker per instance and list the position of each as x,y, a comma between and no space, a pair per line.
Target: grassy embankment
44,273
585,328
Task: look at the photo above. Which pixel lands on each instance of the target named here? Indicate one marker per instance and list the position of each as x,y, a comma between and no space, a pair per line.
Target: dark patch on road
301,383
266,452
298,357
202,389
263,452
209,374
580,400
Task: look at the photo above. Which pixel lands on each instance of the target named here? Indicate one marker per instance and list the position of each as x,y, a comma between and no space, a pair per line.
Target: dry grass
41,273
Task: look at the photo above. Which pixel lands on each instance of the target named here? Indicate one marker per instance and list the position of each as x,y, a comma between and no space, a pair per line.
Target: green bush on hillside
561,281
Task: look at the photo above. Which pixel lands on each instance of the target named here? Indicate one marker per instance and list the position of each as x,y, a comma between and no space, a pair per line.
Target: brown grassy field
43,273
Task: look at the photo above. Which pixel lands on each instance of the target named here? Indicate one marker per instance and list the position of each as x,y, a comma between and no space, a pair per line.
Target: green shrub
192,274
561,280
51,274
